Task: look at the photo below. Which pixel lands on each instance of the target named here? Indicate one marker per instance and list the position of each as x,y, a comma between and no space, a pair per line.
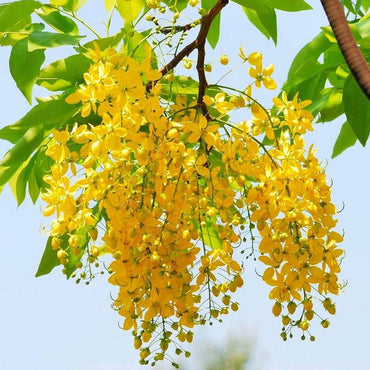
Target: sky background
49,323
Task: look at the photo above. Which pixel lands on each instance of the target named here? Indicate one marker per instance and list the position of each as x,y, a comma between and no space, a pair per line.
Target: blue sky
49,323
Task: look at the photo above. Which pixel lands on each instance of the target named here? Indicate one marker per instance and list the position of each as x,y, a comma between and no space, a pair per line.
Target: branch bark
347,44
199,44
201,38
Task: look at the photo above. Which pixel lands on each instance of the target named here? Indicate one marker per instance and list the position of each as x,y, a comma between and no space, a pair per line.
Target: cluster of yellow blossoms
162,191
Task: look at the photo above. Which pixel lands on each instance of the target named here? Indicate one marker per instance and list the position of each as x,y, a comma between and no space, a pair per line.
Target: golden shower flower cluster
171,194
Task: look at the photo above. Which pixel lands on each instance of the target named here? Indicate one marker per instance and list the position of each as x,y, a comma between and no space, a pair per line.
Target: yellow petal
269,83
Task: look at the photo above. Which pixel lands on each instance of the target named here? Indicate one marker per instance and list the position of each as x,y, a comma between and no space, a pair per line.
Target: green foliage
13,15
47,40
329,84
357,109
262,14
49,259
64,73
346,139
130,9
59,22
25,66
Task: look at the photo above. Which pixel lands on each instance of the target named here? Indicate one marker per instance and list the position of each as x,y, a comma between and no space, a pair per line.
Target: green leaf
135,43
12,15
176,5
31,172
333,57
64,73
348,4
24,147
318,104
357,109
365,44
311,50
358,6
262,16
18,182
255,20
25,67
16,32
42,167
305,71
33,187
104,43
214,31
130,9
109,4
288,5
346,139
210,235
268,18
49,259
58,21
333,107
10,133
18,155
69,5
53,113
12,38
362,27
43,40
181,4
366,5
181,85
74,259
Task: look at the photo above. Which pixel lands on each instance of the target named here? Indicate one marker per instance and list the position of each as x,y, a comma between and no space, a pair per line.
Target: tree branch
199,44
347,44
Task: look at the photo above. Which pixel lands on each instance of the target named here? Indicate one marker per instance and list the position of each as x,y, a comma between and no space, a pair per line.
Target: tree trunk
352,54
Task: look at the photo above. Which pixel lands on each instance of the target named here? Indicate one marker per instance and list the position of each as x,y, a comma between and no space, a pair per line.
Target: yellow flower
264,76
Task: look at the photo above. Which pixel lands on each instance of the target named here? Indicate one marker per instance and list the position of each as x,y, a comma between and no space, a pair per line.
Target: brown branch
202,81
347,44
198,43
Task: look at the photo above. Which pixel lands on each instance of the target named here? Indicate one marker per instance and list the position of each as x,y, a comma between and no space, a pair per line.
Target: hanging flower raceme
162,191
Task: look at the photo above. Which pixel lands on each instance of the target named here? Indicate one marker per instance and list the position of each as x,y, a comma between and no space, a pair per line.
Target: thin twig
198,43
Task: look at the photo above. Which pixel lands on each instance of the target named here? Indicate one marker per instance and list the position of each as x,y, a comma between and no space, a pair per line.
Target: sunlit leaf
345,139
311,50
105,42
210,235
181,85
64,73
59,22
357,109
14,13
109,4
214,31
288,5
18,182
130,9
333,107
318,104
33,187
43,40
69,5
255,20
49,259
262,16
25,67
24,147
